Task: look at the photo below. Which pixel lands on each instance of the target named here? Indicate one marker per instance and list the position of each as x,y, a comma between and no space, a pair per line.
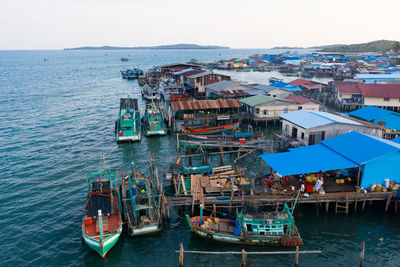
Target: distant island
374,46
159,47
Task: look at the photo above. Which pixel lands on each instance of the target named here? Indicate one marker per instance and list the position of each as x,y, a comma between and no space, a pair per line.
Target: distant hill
175,46
374,46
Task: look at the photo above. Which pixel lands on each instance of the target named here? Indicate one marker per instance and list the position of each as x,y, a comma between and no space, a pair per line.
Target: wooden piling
363,206
181,255
396,207
362,254
190,155
244,258
296,262
389,198
221,150
326,207
177,141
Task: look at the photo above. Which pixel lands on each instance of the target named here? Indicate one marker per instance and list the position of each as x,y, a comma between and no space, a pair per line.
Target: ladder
342,207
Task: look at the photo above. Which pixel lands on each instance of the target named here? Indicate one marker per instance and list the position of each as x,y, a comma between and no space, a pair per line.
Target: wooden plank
183,185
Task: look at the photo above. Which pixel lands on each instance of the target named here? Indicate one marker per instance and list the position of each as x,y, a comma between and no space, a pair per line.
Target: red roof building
380,90
299,99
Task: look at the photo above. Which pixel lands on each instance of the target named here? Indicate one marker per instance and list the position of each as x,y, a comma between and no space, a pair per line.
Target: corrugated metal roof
380,90
300,82
205,104
348,88
194,76
265,88
259,99
311,118
299,99
360,147
369,113
182,71
228,85
236,93
307,160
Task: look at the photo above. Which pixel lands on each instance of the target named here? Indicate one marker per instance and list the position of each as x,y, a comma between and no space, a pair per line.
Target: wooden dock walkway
340,200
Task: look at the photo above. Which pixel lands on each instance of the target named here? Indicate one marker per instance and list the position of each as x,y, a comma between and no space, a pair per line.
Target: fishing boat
225,140
210,130
102,223
127,127
141,208
150,93
153,120
142,80
268,228
131,73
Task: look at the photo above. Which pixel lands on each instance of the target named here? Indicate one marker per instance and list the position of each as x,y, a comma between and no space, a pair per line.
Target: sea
57,115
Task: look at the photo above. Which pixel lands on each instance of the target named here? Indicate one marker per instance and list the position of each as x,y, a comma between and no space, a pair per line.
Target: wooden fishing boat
178,97
211,130
271,228
131,73
150,93
142,80
141,208
127,127
102,223
153,120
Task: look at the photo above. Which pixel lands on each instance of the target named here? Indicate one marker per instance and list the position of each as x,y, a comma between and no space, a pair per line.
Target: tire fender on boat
209,237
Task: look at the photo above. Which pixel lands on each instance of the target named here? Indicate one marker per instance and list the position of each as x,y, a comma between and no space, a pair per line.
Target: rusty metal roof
205,104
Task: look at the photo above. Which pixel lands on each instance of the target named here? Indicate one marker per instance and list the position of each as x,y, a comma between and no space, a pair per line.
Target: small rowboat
210,130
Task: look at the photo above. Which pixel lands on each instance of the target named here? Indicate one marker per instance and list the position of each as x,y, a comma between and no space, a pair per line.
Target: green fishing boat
268,228
141,208
127,127
102,223
142,80
153,120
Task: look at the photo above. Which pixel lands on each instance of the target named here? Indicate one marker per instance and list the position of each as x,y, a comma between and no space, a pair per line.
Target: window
265,112
300,107
302,135
386,99
285,110
286,128
257,110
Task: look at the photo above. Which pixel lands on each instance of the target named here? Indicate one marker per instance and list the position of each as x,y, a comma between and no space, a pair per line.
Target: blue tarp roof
369,113
287,86
340,152
396,140
360,147
307,160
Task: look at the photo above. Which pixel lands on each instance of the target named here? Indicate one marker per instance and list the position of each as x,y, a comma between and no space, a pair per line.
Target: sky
58,24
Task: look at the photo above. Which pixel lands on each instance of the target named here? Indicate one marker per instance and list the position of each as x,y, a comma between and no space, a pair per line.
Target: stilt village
333,146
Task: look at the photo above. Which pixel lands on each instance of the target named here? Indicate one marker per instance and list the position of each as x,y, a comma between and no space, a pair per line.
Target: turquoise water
57,117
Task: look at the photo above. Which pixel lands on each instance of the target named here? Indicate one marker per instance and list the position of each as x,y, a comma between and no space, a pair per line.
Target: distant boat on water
131,73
